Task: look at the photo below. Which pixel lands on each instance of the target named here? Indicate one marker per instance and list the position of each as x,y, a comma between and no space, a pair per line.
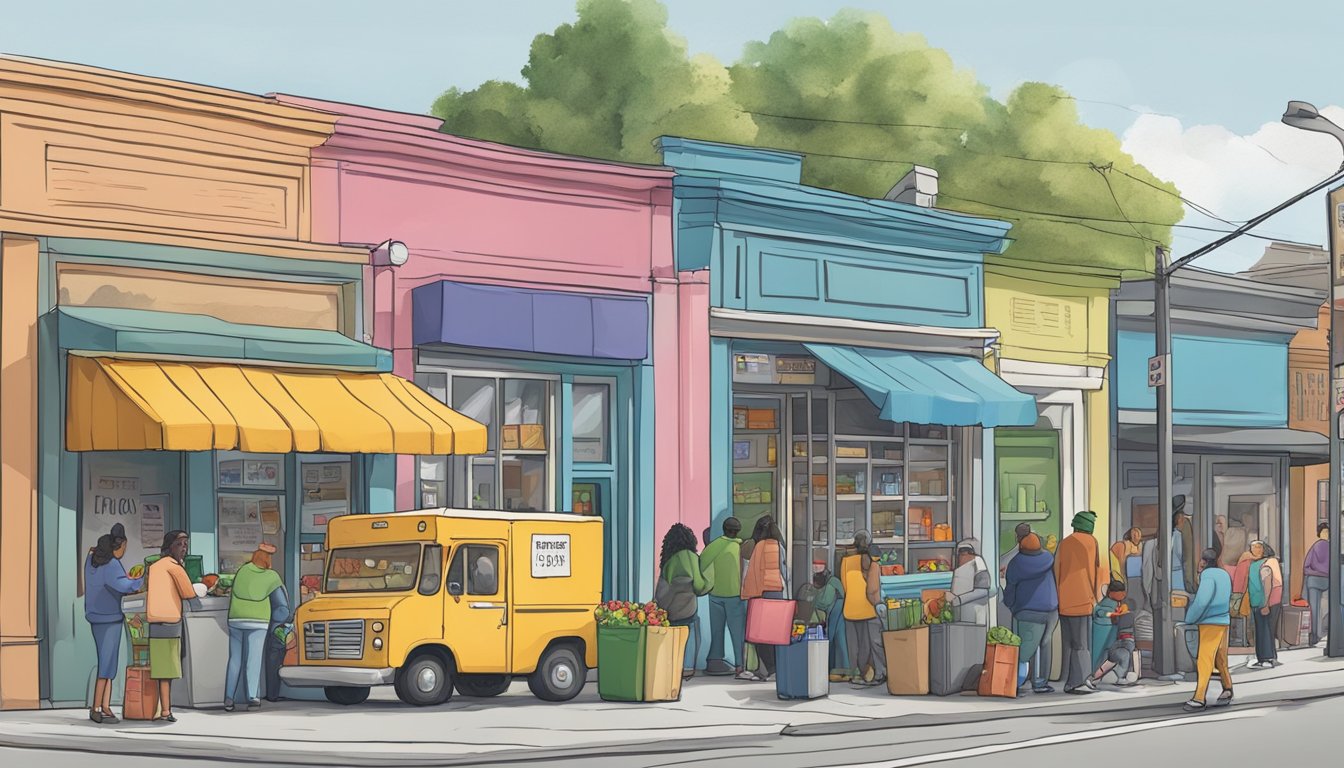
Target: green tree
864,102
605,86
860,100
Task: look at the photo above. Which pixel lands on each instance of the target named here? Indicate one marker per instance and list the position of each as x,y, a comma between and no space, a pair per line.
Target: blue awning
927,388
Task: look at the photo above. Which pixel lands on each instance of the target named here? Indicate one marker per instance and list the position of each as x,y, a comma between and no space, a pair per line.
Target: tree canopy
860,100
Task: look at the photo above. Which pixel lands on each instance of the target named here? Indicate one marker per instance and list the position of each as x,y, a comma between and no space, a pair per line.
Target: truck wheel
560,674
424,681
482,686
346,695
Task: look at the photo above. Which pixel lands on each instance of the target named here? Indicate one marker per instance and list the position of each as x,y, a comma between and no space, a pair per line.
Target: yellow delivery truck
436,600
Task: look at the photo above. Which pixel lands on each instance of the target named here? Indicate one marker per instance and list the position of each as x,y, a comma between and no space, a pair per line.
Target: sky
1195,88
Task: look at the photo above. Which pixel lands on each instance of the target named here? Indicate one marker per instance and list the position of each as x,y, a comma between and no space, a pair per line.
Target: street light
1302,115
1299,115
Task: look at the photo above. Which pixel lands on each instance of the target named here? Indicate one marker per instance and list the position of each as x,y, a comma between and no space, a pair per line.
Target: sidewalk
517,726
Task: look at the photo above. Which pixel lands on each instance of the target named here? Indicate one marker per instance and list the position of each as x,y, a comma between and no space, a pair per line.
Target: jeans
727,613
692,641
245,643
1077,649
1212,656
1037,630
1317,587
1266,641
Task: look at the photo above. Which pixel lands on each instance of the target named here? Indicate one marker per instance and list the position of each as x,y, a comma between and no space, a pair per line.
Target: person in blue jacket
105,583
1210,610
1030,593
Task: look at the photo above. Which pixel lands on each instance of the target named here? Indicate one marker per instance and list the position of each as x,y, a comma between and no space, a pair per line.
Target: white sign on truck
550,555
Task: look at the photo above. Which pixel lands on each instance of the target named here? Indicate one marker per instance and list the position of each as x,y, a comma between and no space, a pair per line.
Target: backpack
677,597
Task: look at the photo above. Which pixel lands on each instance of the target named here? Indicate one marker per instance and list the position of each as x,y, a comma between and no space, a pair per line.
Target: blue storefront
1234,449
848,390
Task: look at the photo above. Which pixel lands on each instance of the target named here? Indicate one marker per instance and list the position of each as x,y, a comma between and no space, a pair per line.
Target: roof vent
918,187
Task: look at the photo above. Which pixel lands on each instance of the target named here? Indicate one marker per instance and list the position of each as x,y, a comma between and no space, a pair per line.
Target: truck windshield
376,568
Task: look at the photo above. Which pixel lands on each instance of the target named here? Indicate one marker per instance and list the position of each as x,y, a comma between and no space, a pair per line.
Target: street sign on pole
1158,365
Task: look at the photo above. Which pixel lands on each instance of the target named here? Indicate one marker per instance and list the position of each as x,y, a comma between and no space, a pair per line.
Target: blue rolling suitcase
802,669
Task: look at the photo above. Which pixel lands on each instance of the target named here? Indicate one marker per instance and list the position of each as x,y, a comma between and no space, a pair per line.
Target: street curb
1168,703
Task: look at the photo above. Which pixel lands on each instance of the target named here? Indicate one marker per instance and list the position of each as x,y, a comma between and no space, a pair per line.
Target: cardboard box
532,437
665,649
999,675
508,439
761,418
907,653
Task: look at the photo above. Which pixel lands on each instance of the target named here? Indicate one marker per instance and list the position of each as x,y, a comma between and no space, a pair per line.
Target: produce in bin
622,645
1002,636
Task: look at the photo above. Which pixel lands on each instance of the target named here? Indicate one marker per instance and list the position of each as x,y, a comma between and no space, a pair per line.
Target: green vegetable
1003,636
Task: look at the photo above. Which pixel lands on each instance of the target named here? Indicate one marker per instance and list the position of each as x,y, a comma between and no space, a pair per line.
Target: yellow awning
136,405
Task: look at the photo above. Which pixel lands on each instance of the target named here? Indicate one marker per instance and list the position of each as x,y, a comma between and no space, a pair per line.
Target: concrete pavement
713,714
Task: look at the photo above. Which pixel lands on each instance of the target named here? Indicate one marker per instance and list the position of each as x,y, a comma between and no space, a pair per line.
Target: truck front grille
315,641
345,639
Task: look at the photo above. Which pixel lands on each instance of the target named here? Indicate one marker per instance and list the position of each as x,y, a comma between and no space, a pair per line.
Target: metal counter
205,644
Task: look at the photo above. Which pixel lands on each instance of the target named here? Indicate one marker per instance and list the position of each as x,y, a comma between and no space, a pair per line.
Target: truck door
476,615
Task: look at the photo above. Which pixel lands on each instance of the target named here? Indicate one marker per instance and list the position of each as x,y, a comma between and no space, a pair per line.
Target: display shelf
929,499
851,497
522,452
746,431
931,544
888,498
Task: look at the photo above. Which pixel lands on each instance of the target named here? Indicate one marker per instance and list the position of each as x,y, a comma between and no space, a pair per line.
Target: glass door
758,475
1245,506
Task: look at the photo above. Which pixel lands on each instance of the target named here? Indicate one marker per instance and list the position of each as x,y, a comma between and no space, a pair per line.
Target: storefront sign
153,520
1337,235
108,501
796,370
753,369
550,555
1308,399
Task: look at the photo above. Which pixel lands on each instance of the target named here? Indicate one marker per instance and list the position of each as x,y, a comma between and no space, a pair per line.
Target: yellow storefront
1055,345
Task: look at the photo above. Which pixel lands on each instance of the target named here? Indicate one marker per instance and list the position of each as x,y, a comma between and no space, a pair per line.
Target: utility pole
1159,376
1334,644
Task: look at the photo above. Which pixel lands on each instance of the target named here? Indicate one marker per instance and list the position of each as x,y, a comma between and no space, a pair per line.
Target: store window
516,472
1027,463
1246,496
250,507
592,423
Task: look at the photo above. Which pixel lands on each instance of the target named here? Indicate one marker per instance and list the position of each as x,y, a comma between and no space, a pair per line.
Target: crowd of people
732,571
258,604
1100,601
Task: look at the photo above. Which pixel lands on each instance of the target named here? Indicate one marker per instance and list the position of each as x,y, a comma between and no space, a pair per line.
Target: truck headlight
377,626
377,643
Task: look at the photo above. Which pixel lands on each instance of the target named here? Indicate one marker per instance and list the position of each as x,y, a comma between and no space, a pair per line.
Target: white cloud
1239,176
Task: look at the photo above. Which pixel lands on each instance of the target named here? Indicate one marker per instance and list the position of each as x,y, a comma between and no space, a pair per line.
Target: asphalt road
1278,734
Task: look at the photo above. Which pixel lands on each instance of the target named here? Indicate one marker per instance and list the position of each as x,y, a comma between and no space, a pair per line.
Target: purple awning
548,322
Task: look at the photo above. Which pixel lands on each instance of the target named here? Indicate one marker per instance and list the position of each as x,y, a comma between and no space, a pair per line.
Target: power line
1118,207
838,121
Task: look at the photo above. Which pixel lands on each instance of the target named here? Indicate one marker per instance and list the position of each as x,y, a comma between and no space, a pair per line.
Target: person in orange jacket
1079,576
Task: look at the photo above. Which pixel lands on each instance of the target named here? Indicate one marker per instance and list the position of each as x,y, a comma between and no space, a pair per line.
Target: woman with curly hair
680,584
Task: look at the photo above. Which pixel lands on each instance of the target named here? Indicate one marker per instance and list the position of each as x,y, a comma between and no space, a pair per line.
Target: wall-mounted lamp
390,253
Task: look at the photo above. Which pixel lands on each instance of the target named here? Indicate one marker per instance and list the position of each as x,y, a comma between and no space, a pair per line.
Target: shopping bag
142,695
664,654
770,621
907,653
999,675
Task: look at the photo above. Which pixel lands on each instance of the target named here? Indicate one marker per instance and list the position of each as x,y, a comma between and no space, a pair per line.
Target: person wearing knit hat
1030,593
1079,577
970,584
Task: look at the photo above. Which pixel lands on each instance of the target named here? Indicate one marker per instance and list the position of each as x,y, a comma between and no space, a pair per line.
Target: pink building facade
539,296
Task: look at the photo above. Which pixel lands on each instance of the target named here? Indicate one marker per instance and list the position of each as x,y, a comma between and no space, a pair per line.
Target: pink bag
770,621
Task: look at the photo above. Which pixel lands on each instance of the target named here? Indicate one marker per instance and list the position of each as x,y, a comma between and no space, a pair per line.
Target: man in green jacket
249,616
721,565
